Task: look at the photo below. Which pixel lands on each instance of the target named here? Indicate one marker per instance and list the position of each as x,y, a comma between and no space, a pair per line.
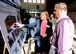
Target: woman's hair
47,14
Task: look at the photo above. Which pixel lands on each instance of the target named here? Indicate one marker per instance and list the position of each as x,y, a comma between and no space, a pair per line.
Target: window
25,1
42,1
29,1
38,1
34,1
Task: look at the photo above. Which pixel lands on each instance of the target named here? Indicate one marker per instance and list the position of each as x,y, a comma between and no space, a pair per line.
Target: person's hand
52,50
13,26
50,38
44,35
19,24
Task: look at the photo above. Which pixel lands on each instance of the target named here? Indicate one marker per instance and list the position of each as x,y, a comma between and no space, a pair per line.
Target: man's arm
65,39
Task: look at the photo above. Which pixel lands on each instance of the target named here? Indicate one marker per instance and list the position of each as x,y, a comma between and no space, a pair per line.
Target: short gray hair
61,6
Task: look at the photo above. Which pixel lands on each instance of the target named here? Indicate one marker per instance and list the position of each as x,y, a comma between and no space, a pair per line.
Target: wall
32,6
72,12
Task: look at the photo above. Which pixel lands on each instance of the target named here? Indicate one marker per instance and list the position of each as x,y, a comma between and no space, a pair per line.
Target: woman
45,32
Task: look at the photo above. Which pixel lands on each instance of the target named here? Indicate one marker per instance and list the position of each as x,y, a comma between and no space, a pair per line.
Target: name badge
48,26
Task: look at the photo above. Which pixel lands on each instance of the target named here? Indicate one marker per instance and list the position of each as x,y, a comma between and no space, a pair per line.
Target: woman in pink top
45,32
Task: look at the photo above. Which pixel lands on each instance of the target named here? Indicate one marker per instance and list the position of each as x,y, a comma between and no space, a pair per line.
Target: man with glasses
64,30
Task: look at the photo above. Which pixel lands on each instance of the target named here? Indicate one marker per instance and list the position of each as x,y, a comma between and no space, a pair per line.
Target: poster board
13,38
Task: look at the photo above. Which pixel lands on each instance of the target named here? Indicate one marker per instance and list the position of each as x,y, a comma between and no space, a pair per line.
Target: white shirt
31,20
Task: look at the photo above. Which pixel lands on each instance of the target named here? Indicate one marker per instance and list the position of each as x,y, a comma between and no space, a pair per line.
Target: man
64,30
53,21
32,20
36,32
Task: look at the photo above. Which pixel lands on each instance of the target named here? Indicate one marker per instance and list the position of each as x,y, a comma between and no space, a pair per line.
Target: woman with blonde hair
45,32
